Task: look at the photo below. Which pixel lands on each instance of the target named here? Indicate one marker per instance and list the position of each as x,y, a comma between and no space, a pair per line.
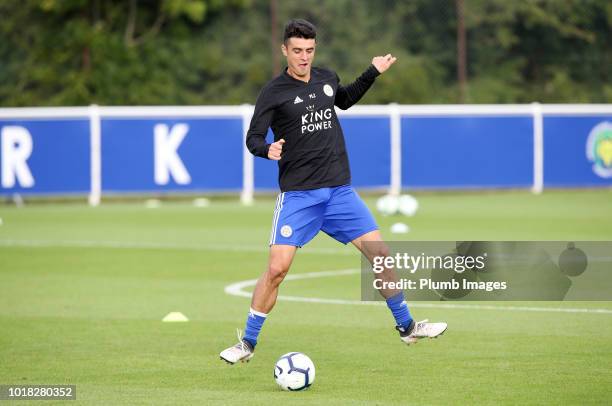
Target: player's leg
372,245
348,219
297,219
266,290
262,302
375,247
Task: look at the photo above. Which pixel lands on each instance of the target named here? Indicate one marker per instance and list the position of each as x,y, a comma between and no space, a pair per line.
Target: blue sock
254,323
400,311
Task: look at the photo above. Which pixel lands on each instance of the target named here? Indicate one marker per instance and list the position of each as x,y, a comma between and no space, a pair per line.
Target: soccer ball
294,371
408,205
388,205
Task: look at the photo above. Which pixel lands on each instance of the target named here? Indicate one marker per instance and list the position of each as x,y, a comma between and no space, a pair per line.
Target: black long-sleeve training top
314,154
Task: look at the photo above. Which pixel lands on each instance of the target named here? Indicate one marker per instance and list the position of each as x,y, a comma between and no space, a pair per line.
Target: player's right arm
262,118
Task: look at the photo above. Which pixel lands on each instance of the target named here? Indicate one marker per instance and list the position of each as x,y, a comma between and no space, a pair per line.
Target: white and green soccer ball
294,371
389,205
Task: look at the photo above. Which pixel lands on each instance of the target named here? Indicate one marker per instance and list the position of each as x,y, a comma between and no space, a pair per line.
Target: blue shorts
337,211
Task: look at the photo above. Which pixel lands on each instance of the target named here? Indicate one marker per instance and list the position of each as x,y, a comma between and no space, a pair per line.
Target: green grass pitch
83,291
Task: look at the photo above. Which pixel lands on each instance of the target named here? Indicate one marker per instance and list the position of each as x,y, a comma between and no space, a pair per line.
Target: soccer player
314,179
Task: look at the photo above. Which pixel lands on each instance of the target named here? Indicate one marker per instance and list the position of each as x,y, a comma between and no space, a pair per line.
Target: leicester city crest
599,149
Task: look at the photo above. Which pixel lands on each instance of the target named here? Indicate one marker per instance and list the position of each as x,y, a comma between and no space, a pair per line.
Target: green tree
189,52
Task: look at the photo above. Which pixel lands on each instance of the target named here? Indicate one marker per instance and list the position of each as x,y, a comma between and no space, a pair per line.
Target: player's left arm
348,95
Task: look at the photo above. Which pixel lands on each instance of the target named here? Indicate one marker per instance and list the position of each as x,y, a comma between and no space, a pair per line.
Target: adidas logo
297,100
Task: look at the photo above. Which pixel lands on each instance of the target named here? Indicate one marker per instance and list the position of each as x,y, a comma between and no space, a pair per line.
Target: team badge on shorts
328,90
286,231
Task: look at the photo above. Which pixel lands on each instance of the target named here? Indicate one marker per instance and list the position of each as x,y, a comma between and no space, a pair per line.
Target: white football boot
242,351
421,329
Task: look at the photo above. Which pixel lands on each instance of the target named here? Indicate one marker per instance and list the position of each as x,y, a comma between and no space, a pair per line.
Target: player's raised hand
276,148
382,63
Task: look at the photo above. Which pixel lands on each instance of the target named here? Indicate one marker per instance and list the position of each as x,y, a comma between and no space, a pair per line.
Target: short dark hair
299,28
